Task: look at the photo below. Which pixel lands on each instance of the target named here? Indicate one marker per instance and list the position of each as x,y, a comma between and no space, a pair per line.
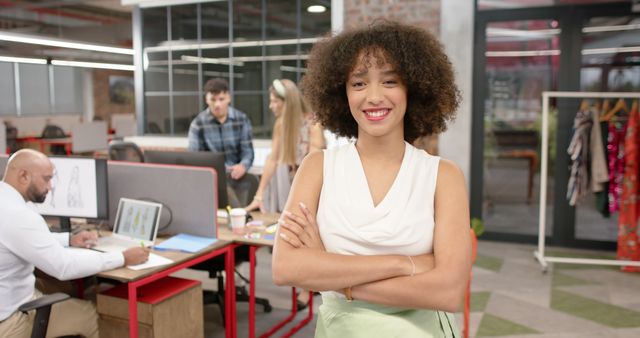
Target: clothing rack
539,254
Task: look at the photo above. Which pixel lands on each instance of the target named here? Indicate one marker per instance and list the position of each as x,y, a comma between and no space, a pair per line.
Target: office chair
42,306
125,151
12,139
215,267
153,128
53,131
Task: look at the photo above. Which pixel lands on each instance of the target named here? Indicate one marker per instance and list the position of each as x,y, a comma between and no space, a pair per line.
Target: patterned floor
511,297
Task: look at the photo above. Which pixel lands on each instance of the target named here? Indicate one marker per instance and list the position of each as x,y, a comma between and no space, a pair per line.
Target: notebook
136,224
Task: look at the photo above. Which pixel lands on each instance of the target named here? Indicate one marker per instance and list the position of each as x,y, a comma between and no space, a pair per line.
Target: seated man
26,242
224,129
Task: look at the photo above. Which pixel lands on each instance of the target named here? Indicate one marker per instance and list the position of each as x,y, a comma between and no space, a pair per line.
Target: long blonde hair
292,118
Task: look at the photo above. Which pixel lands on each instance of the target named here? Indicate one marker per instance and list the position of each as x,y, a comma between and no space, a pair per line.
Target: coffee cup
238,217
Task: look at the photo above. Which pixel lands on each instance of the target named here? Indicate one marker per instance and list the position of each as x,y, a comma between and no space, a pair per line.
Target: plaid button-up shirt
233,137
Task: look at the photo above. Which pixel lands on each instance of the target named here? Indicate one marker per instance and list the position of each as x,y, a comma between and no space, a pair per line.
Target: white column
456,33
87,94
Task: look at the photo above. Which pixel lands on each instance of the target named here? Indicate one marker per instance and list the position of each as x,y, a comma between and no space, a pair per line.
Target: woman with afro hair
379,227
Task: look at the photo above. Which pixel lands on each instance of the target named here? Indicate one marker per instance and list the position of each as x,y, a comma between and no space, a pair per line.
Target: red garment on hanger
628,245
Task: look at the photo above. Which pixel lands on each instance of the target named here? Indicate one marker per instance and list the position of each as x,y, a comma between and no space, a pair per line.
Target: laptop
136,224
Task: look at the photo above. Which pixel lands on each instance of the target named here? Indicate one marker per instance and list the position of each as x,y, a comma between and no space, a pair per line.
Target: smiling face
377,96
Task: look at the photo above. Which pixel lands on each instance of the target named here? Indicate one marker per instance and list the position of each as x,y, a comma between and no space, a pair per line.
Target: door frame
571,19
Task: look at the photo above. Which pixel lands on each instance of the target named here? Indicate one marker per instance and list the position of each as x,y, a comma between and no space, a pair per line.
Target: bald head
30,173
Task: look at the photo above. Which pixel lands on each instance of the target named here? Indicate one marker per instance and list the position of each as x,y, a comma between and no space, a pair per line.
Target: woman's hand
301,231
255,204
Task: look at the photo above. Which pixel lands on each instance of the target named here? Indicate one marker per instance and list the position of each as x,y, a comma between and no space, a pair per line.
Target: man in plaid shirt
222,128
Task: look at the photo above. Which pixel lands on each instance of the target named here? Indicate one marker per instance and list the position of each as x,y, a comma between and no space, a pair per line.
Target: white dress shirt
25,242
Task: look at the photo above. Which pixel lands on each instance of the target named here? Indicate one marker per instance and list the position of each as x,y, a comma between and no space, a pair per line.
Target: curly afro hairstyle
416,55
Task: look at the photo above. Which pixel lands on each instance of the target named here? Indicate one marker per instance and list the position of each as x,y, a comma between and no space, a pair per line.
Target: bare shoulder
313,162
449,173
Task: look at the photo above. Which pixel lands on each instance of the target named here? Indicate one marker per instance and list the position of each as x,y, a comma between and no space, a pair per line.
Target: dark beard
35,196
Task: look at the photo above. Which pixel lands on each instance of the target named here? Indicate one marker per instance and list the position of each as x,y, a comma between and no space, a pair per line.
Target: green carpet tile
560,279
492,326
489,263
479,301
591,309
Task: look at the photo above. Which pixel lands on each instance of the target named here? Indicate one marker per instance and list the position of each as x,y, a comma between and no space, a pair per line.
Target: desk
181,260
42,142
225,233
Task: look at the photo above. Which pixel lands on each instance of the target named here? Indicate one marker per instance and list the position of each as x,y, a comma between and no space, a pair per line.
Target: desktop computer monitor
209,159
79,189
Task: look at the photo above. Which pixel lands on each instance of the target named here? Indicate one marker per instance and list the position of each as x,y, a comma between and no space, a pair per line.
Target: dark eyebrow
359,73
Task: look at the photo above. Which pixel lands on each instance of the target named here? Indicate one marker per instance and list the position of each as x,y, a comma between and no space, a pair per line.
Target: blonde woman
294,136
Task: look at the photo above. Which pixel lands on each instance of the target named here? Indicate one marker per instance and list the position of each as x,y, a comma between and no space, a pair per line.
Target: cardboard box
168,307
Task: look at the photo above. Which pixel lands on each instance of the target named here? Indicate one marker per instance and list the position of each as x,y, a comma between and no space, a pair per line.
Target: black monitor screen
79,189
209,159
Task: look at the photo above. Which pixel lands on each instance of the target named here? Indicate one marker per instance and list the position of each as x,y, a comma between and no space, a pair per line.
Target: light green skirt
340,319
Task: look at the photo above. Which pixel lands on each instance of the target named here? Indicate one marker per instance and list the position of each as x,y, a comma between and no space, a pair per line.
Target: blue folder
185,243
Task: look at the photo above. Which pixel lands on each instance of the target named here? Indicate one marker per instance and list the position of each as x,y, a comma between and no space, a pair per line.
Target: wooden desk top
127,275
253,235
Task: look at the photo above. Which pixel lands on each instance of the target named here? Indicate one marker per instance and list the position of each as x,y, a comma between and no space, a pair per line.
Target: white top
25,242
402,223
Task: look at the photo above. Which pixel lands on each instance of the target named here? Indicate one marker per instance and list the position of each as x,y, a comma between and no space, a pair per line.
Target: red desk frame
252,304
230,319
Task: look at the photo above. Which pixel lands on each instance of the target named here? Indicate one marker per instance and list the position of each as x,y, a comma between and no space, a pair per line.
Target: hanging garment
602,197
579,154
628,246
615,148
599,170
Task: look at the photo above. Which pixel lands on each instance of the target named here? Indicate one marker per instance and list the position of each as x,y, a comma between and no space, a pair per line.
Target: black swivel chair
42,306
125,151
53,131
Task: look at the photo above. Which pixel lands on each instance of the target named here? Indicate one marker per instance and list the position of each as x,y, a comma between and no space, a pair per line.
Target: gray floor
511,297
505,200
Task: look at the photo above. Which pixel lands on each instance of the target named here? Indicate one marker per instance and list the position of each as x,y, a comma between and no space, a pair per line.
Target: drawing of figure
54,183
145,216
127,222
136,221
74,196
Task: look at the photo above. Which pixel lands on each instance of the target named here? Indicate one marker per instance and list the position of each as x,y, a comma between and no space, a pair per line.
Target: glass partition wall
249,43
520,53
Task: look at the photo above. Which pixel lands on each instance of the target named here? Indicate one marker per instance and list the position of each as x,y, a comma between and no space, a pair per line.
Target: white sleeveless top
402,223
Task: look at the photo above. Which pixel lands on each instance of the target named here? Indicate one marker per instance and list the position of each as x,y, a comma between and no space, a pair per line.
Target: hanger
620,105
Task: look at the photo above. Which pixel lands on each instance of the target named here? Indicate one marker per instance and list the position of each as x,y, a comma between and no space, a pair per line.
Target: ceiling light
597,29
316,9
593,51
38,40
519,53
114,66
23,60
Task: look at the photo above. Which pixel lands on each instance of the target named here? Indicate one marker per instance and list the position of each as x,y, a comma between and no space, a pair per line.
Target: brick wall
422,13
103,107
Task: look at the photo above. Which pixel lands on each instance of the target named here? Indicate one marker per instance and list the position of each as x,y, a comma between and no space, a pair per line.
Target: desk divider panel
190,193
3,164
3,138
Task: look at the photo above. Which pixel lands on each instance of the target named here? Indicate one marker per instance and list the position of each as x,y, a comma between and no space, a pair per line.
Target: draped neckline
362,185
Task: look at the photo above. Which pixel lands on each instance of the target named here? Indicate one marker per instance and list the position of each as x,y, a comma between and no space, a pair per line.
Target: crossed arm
299,258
